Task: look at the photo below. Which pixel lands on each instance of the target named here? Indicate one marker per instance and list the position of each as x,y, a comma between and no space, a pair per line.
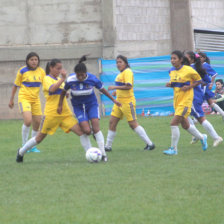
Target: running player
52,87
208,94
196,109
29,79
182,79
84,101
125,95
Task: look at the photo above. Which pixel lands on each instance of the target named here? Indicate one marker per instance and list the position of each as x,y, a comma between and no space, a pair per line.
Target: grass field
59,186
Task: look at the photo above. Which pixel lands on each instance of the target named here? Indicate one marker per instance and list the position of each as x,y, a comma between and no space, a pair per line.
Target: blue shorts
86,112
208,94
196,109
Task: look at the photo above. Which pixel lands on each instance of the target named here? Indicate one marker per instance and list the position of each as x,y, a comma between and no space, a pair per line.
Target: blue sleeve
98,83
67,86
210,71
207,79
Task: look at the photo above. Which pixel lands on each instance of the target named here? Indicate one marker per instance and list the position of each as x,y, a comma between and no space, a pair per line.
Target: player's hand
114,93
63,73
67,95
11,104
59,110
210,86
111,87
168,84
117,103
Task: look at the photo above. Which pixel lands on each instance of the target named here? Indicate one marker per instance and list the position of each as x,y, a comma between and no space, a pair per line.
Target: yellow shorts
126,110
182,111
33,107
50,124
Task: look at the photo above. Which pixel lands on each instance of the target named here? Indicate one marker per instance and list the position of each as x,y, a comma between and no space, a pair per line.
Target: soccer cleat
217,141
34,149
170,151
194,140
149,147
19,158
108,149
204,142
104,159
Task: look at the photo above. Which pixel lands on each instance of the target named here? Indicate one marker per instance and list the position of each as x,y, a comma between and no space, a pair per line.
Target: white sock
190,120
110,138
100,142
141,132
194,131
217,108
28,145
175,136
85,142
33,133
210,129
25,133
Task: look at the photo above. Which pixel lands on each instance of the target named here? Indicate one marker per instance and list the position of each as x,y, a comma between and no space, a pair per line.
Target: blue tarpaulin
150,76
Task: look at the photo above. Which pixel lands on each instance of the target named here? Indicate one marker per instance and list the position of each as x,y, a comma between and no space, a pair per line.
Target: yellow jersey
123,78
185,75
52,99
29,82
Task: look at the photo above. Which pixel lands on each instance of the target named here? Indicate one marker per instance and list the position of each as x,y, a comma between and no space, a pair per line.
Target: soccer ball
93,155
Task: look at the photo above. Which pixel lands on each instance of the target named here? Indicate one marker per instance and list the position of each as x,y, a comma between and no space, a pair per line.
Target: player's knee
87,131
28,122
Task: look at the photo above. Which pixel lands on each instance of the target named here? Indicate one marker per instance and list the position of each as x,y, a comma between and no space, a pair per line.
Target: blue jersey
209,70
83,92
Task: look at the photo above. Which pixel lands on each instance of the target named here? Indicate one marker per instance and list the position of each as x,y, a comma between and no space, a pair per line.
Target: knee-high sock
210,129
141,132
28,145
175,136
25,133
110,138
194,131
100,142
85,142
217,108
33,133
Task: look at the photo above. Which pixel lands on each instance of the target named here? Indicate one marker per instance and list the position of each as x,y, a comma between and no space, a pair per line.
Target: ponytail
81,67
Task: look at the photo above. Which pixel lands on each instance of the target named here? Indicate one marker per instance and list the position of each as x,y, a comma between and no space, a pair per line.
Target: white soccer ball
93,155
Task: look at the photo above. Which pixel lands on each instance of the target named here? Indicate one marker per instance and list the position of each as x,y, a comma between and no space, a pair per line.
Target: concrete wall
142,27
207,14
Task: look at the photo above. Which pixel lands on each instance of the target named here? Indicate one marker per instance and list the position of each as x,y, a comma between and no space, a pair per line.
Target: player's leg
28,145
115,117
129,112
215,106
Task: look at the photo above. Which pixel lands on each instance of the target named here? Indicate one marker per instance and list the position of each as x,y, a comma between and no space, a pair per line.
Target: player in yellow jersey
29,79
125,95
183,79
52,87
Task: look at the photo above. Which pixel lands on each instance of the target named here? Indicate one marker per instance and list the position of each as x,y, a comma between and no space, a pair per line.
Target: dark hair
219,80
204,56
124,59
179,54
30,55
81,67
51,63
197,62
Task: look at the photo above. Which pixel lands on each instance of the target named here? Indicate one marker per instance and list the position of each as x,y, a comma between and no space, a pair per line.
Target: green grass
59,186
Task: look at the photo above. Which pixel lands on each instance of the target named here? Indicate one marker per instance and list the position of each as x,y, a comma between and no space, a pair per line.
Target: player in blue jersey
84,101
29,79
208,94
196,110
182,79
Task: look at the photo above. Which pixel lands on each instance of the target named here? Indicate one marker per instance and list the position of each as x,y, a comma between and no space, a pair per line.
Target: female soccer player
182,79
29,79
125,95
52,87
208,94
196,109
84,101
